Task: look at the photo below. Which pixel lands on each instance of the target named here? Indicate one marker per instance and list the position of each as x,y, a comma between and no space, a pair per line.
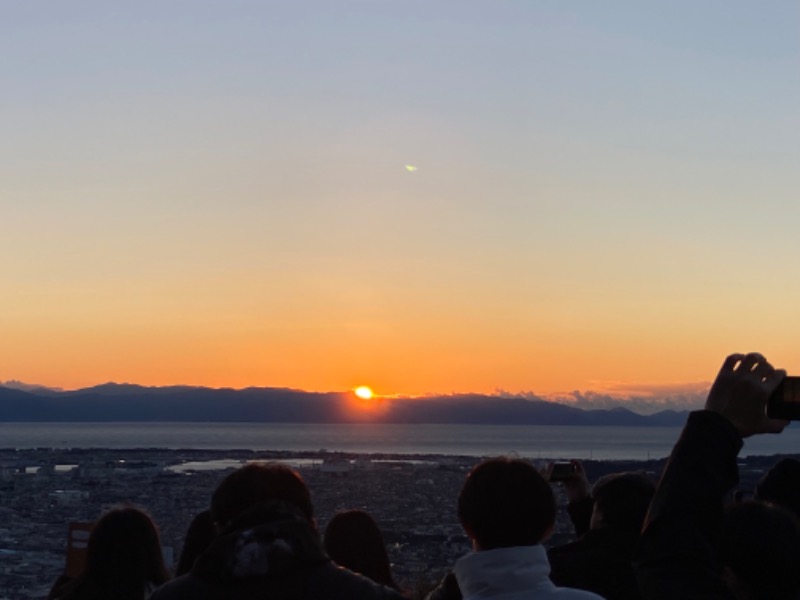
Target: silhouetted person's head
256,484
125,540
621,500
781,485
761,551
199,536
506,502
123,558
353,541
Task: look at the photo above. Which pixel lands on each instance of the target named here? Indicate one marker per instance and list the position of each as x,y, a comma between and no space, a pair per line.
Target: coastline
529,441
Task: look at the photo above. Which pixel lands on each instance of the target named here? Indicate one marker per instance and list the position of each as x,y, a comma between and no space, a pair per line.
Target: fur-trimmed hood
271,540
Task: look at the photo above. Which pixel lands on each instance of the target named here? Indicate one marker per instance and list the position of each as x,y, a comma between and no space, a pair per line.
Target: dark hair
506,502
354,541
256,483
781,485
199,536
761,546
123,558
622,499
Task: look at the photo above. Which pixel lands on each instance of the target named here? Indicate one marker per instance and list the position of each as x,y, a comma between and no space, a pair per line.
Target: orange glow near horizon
432,373
416,357
363,405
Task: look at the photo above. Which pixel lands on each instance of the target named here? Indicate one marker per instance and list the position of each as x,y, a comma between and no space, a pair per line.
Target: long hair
354,541
199,536
123,558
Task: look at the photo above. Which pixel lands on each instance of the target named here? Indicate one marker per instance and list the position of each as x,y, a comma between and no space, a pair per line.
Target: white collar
488,573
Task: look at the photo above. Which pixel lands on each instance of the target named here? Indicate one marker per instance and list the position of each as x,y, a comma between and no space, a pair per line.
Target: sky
215,193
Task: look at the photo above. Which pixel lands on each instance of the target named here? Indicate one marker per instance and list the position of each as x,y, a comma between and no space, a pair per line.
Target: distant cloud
26,387
641,398
632,389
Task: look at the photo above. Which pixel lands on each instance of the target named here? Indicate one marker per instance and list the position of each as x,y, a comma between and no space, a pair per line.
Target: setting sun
363,392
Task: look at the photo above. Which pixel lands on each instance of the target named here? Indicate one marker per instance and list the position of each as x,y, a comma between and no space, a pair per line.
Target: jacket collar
489,573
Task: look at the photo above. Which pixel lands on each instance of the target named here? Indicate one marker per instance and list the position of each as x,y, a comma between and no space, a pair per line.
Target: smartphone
77,542
562,470
784,403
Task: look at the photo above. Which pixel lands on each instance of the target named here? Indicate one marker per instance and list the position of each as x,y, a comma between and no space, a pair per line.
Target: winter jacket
516,573
599,561
677,556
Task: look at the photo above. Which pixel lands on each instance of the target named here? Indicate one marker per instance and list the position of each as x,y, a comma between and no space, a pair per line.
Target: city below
412,497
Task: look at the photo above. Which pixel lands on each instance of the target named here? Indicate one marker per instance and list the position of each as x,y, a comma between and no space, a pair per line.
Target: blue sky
215,193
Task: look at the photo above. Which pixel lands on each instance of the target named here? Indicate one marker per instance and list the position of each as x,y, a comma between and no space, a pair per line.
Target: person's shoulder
565,593
339,583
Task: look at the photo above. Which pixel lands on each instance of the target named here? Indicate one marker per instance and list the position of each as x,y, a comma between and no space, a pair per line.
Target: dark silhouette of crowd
690,547
634,540
608,522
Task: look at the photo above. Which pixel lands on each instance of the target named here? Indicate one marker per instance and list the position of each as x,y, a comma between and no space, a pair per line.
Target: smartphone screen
562,471
785,401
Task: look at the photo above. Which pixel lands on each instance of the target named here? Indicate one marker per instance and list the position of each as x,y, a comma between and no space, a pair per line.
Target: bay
599,443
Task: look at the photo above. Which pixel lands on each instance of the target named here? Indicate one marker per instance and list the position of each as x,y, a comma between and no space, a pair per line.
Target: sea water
599,443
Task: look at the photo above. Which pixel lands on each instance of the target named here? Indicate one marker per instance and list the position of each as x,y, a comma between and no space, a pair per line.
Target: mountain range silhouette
113,402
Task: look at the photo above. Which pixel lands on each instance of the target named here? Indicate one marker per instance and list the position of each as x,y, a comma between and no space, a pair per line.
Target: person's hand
577,485
740,393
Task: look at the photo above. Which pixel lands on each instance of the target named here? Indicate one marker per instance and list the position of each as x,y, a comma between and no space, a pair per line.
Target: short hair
257,483
781,485
506,502
622,499
761,546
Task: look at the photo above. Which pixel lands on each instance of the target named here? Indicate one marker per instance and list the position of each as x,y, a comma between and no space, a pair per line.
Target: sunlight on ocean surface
600,443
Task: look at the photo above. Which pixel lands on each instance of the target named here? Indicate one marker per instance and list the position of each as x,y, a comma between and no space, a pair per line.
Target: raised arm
678,555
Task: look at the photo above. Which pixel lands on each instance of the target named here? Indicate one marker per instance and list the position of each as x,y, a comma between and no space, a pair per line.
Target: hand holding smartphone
562,470
784,403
